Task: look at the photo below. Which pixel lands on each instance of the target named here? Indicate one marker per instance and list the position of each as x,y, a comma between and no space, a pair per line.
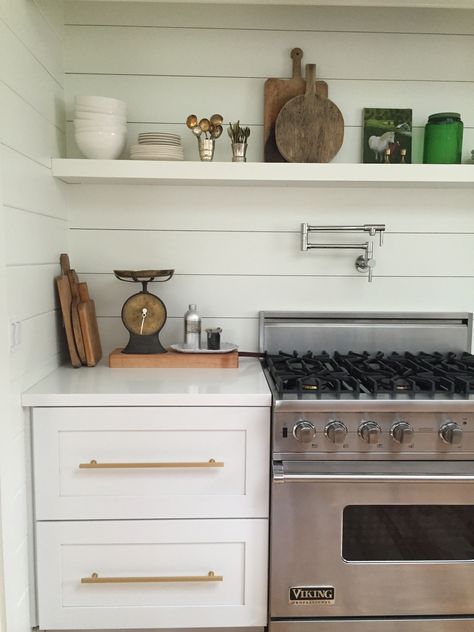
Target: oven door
372,539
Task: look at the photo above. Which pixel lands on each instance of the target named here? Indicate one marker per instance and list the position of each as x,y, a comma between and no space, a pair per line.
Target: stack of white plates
157,146
100,126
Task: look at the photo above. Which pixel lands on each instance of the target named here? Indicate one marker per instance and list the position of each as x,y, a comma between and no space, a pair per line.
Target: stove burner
314,375
392,375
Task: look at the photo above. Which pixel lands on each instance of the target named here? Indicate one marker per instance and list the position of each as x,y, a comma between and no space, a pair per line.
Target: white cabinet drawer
151,462
159,565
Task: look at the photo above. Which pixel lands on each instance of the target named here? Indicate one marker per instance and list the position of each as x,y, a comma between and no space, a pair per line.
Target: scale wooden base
173,360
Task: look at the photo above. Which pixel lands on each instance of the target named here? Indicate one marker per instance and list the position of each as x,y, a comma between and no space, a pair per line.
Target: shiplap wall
236,249
4,381
34,232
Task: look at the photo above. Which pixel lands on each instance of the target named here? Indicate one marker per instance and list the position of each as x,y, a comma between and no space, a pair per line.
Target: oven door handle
280,476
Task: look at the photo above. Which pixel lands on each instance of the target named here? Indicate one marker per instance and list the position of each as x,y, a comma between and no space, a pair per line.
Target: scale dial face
143,314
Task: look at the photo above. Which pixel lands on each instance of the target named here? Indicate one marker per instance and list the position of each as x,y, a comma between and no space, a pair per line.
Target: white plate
174,143
226,347
177,154
154,149
160,154
159,137
168,136
151,148
157,133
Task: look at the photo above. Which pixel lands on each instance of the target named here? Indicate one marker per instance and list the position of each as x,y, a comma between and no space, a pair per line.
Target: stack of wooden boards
300,122
79,317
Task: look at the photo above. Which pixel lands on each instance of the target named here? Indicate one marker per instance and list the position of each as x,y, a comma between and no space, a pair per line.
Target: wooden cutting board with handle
73,282
276,93
309,128
65,299
76,325
89,328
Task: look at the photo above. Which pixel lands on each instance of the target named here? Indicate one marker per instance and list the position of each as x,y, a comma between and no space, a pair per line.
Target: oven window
373,533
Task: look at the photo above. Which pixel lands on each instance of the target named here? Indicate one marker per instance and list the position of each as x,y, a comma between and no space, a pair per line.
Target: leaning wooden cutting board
73,283
309,128
89,328
65,300
76,325
276,93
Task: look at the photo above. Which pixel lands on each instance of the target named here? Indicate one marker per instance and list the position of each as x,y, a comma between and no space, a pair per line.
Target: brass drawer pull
93,465
95,579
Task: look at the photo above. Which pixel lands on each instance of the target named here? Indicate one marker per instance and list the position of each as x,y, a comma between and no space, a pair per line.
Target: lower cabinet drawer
164,462
152,574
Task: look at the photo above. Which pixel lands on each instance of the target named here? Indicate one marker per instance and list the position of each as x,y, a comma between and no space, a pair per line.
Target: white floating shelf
76,171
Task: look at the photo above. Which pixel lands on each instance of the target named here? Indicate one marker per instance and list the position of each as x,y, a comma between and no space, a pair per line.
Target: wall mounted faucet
363,263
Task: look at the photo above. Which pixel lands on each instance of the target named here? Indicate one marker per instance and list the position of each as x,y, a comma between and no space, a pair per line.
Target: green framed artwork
387,135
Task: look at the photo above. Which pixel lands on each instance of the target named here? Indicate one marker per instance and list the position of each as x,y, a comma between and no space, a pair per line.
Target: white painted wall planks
35,232
236,250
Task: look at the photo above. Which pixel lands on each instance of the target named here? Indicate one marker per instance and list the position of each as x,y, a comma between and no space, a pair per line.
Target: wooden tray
173,360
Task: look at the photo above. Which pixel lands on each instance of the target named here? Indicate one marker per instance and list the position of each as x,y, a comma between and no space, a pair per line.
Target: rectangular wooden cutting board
65,301
89,327
173,360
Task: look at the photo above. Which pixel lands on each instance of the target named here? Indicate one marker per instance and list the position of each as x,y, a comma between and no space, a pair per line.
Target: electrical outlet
15,335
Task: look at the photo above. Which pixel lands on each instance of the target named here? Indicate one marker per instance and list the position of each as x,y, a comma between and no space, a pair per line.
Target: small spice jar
443,139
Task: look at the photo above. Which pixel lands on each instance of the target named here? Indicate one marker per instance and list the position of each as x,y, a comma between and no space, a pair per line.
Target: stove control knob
369,431
304,431
451,433
336,431
402,432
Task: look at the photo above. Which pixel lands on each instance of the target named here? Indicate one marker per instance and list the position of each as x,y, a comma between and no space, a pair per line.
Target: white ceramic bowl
102,145
90,126
81,110
98,100
97,117
101,104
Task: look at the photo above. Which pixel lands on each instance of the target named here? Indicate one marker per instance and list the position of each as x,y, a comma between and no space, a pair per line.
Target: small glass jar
443,139
214,338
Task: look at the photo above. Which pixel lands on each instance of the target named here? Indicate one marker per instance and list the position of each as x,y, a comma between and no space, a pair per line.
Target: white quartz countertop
102,386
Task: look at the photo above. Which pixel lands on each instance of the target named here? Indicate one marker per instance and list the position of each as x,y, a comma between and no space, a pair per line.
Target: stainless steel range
372,517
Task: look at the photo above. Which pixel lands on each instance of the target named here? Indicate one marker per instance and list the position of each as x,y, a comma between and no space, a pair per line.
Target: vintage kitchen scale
143,313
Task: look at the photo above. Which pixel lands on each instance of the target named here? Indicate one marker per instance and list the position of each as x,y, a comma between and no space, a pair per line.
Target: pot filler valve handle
363,263
366,262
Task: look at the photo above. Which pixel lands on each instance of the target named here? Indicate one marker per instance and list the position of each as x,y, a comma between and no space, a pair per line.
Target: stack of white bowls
100,126
157,146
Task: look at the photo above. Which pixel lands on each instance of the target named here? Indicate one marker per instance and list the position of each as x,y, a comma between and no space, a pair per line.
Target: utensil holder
239,151
206,148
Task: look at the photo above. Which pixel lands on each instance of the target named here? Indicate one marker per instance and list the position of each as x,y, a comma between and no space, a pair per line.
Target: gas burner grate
390,375
310,374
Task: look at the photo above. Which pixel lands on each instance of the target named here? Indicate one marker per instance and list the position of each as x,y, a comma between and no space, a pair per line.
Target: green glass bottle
443,139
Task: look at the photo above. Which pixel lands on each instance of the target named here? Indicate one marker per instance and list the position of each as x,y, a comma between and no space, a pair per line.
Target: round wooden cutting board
309,128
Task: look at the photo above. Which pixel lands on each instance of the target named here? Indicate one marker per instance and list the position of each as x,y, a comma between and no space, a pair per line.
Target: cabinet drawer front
152,574
151,462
